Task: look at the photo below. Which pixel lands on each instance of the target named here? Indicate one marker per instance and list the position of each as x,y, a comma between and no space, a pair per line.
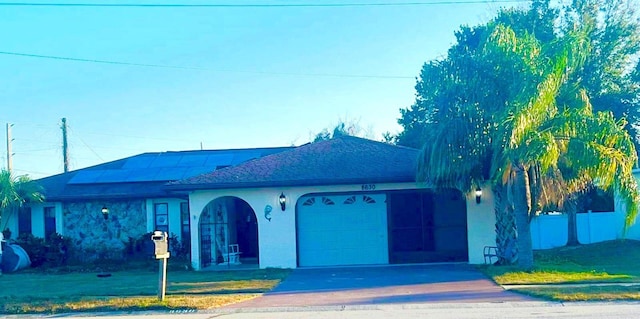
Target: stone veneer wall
94,237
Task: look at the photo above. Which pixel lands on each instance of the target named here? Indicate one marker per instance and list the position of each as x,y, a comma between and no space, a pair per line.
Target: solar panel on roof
166,166
170,174
114,175
192,160
166,160
141,161
222,159
143,175
85,177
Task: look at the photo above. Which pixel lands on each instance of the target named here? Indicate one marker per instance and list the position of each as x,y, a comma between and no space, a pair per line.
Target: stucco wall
37,219
481,220
277,237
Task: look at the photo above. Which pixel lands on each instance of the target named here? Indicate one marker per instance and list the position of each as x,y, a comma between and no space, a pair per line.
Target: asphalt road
442,310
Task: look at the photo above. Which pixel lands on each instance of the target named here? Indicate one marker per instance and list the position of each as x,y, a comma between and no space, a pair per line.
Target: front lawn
607,262
37,292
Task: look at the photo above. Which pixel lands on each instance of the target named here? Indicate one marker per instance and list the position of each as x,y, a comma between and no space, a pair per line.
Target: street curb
387,307
601,284
441,305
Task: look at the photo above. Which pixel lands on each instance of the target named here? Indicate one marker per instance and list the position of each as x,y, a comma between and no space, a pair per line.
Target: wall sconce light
105,212
478,195
283,201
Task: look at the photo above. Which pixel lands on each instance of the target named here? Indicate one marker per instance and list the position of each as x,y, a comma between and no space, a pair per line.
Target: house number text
368,187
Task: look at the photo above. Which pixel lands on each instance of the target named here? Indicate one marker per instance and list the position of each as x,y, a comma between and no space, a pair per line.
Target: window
161,217
49,221
350,200
368,199
327,201
24,220
185,225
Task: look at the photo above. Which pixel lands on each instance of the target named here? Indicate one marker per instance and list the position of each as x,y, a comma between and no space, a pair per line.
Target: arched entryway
228,225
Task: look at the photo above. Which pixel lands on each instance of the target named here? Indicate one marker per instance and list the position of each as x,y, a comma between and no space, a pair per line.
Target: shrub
6,233
52,252
179,249
144,246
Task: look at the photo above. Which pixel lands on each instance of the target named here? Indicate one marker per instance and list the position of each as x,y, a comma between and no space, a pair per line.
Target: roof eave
118,196
290,183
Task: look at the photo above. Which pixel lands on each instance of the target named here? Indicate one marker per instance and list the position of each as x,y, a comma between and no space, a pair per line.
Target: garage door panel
352,231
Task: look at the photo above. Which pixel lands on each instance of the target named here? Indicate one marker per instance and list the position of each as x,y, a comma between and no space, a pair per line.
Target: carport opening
427,226
228,233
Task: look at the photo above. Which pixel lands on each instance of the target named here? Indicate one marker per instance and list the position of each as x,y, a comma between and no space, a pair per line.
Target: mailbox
161,243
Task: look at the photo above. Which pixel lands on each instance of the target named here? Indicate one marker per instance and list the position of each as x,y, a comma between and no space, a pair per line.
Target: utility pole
65,146
9,153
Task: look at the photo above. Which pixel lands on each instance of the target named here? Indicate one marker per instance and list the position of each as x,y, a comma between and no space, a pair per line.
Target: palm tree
15,192
543,127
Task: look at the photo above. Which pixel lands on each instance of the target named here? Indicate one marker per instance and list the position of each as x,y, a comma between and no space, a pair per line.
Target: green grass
606,262
38,292
592,293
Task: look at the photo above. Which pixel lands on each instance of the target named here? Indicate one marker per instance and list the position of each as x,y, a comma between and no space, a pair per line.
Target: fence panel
549,231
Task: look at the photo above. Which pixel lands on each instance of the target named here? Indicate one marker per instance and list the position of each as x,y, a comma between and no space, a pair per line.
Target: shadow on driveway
383,285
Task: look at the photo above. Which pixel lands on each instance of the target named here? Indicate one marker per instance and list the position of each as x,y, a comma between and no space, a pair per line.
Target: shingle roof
143,175
342,160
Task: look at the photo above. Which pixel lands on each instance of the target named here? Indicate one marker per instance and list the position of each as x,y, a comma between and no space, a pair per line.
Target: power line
255,5
34,172
334,75
36,150
87,145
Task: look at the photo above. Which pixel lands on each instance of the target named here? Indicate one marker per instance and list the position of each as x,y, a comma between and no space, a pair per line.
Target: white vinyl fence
549,231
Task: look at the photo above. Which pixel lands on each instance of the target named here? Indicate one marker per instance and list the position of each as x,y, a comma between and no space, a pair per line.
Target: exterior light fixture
283,201
105,212
478,195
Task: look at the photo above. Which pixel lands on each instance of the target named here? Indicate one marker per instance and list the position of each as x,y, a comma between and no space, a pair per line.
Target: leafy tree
562,63
523,136
343,128
15,192
610,72
613,30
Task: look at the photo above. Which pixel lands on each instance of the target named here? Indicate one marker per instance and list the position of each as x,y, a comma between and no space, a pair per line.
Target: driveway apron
383,285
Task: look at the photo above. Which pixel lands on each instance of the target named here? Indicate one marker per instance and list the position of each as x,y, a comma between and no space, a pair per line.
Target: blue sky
252,76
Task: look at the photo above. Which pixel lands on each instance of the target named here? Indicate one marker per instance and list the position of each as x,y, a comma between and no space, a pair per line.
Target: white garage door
342,230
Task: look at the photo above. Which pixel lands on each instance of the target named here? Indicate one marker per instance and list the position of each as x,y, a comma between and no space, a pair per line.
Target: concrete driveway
383,285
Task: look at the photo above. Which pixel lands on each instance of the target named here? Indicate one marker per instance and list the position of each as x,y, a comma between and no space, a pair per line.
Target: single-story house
104,208
344,201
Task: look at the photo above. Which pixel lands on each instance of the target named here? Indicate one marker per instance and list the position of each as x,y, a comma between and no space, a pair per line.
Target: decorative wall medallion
267,212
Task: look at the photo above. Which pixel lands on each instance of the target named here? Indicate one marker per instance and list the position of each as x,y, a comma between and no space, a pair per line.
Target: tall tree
466,74
520,73
610,73
15,192
544,122
613,30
